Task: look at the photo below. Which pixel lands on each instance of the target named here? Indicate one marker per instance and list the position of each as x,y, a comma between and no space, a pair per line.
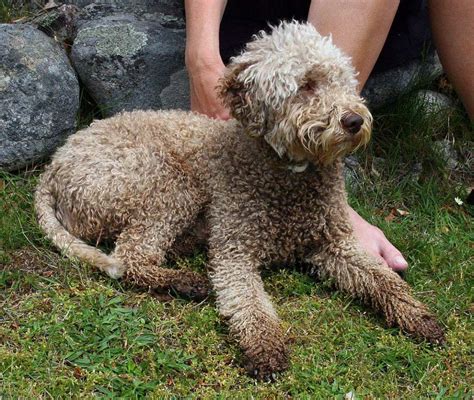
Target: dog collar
298,167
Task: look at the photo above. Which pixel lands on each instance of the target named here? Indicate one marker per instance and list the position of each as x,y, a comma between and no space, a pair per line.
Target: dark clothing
409,36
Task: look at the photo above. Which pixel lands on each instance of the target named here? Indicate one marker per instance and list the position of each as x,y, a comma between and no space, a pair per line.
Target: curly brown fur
273,195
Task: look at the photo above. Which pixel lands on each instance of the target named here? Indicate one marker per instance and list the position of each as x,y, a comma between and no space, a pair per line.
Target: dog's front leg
242,300
362,276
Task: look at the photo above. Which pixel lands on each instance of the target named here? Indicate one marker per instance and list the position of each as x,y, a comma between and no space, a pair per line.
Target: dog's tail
46,211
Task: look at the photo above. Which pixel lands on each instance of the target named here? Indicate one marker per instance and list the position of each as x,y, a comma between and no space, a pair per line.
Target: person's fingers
392,256
223,115
204,98
211,109
374,242
386,250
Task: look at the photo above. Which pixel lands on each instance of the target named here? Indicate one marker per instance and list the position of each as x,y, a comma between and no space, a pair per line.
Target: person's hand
374,242
203,82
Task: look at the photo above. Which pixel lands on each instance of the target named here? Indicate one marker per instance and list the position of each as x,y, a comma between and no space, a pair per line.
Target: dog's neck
297,167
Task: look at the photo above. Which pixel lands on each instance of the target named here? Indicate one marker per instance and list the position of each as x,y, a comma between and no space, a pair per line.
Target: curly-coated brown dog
268,186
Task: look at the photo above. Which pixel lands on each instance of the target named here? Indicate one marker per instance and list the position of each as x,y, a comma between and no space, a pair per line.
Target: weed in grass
88,109
11,11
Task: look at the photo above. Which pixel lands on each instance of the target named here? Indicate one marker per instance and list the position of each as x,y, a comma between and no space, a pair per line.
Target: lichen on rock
114,40
126,62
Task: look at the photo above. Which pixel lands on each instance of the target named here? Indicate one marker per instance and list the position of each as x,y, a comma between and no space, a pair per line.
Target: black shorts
408,39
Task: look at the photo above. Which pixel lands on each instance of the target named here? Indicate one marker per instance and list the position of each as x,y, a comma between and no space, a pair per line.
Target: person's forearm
203,18
358,27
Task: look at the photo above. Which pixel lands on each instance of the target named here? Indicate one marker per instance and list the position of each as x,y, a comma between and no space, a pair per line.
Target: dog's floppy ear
237,95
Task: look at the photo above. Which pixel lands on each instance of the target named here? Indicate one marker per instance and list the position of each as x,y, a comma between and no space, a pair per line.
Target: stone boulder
167,16
167,7
176,95
39,96
434,103
126,63
385,87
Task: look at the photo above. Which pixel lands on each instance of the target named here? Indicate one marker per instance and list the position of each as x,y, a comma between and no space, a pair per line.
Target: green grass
68,331
11,11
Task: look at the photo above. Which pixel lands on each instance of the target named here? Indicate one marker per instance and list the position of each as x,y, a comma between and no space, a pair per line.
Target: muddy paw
194,286
427,328
420,324
265,364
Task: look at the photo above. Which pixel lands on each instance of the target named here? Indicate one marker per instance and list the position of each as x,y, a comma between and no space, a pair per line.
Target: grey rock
62,21
167,7
39,96
168,18
353,172
446,150
125,63
171,10
176,95
415,171
383,88
433,102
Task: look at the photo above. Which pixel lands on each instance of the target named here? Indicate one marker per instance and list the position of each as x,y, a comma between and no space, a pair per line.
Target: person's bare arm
203,59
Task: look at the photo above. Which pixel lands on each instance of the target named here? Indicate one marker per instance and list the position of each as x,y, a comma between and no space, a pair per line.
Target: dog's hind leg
143,245
362,276
141,248
171,205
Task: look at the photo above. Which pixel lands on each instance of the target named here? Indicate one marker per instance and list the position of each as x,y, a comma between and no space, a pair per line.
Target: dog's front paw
422,325
193,285
266,365
426,327
266,358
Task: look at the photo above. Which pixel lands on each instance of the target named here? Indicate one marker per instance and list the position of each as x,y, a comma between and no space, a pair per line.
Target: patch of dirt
32,261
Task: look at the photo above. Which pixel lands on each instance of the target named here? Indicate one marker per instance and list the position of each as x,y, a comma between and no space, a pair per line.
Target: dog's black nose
352,123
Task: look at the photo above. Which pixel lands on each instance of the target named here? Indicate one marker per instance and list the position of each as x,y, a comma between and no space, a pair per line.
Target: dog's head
298,91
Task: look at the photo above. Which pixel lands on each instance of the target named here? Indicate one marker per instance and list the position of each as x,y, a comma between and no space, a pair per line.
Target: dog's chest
297,221
286,215
257,202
